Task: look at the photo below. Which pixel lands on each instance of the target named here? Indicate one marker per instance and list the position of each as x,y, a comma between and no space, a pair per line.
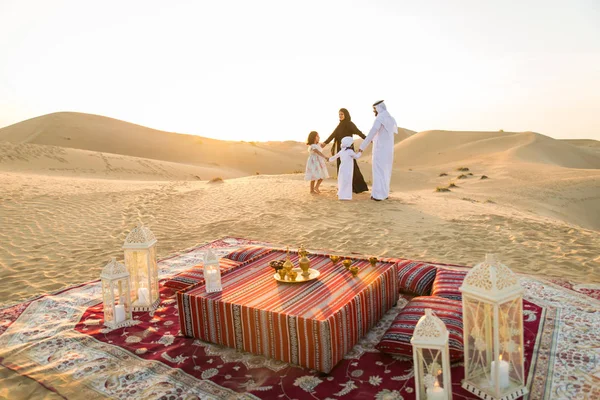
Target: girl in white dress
316,168
347,157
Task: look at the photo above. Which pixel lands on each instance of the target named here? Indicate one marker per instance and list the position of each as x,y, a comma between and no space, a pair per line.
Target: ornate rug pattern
59,341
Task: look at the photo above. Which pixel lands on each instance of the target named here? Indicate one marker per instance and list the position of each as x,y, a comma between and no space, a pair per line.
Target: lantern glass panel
494,345
137,264
212,277
430,370
153,268
107,294
477,325
511,338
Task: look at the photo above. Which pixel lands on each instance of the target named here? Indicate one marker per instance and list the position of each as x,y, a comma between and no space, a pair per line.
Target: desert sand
73,185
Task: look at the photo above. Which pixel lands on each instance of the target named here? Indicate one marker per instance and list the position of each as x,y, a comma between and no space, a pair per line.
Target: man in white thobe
382,135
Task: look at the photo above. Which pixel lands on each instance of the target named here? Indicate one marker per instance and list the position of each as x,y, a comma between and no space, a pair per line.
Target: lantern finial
491,280
430,329
210,257
114,270
139,237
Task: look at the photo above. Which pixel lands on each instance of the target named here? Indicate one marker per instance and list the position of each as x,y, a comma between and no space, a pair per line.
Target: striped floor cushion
195,274
416,277
247,253
447,282
396,339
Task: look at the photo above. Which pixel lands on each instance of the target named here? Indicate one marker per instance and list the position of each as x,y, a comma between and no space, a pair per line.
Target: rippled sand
62,231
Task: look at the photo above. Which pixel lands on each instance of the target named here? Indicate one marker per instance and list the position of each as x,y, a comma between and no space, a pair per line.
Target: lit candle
503,380
119,313
436,392
143,296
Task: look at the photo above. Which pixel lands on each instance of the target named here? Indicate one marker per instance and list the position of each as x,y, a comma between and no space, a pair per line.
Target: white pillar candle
436,392
503,379
119,313
143,296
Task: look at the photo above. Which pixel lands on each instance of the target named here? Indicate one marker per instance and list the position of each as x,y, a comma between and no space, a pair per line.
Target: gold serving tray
313,274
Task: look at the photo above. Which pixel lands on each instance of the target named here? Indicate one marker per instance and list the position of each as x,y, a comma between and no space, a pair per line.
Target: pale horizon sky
275,70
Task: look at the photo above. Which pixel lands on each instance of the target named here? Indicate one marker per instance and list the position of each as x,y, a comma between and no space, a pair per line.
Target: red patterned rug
59,341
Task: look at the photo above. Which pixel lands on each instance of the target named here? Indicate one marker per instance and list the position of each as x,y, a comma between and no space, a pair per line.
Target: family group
350,178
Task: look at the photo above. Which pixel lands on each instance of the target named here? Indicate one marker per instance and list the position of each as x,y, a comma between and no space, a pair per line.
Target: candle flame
500,357
436,384
439,372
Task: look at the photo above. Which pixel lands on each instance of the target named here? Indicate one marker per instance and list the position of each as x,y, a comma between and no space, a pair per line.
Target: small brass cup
282,273
292,275
373,261
353,270
334,259
347,263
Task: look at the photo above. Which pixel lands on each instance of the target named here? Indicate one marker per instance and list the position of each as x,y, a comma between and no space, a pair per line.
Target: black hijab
347,117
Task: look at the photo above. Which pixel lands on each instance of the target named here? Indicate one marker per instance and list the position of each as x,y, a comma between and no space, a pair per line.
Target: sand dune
444,147
589,143
60,161
107,135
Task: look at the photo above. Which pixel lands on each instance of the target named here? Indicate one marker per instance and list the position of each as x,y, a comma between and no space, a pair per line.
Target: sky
275,70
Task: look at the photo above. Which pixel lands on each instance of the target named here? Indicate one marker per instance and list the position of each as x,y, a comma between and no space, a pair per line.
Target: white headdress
347,142
388,122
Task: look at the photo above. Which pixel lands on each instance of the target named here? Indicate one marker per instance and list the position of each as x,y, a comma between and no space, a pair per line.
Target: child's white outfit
316,168
346,171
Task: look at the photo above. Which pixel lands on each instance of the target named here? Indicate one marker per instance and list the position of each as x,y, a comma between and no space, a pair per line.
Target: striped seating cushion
196,274
415,277
247,253
447,282
396,339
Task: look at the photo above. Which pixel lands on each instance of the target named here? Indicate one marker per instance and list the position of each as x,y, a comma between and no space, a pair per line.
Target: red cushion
416,277
196,274
447,282
396,339
247,253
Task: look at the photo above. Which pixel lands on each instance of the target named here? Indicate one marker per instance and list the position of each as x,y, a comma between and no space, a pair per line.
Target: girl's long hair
311,138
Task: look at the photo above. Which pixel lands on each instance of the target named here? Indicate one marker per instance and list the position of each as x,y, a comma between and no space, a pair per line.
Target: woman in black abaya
347,128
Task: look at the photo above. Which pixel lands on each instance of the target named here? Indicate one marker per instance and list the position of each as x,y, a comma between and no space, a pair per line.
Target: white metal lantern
431,358
212,272
140,260
115,295
493,331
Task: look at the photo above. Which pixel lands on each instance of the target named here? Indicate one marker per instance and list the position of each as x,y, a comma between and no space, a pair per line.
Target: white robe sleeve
336,156
372,133
355,155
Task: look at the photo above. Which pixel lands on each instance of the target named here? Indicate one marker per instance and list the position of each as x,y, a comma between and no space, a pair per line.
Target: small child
316,168
346,171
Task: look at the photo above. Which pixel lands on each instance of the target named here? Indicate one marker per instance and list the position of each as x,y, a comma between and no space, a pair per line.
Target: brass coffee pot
304,261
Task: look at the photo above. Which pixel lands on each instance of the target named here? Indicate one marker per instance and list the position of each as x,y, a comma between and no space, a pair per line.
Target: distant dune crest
442,147
100,134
